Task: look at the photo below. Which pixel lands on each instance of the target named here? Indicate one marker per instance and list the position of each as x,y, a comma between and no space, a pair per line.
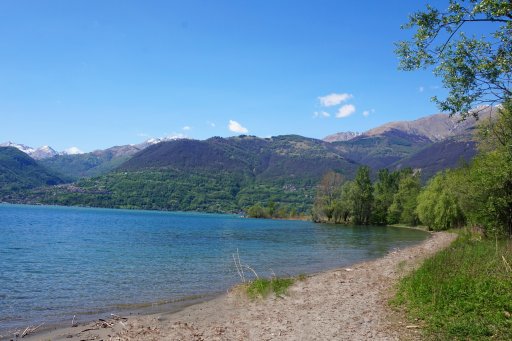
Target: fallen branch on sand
107,323
30,330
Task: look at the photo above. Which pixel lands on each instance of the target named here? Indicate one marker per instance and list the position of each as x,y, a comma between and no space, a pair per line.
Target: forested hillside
215,175
18,171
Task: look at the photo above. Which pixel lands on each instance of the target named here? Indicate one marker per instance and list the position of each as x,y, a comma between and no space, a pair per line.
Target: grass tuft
463,292
262,287
302,277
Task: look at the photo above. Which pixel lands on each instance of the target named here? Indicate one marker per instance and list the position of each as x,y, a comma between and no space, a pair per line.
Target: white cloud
334,99
142,135
73,151
421,89
367,113
321,114
345,111
211,124
236,127
186,128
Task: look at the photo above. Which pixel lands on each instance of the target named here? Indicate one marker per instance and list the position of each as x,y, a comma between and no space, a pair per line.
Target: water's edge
267,243
173,307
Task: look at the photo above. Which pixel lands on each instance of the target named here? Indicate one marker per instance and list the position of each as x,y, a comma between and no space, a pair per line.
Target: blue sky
94,74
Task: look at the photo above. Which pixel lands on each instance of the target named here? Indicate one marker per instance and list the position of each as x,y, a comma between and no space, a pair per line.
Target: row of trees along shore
477,194
391,199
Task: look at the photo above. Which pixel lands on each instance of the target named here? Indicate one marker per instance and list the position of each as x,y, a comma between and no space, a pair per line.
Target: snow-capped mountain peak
155,140
25,149
43,152
40,153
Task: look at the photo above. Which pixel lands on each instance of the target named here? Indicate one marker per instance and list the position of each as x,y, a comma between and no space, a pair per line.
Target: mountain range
75,164
230,174
435,128
41,153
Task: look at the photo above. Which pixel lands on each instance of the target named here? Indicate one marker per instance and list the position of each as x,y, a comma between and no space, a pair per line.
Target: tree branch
450,37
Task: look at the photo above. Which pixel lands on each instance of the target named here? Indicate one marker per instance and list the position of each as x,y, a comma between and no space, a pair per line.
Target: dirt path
342,304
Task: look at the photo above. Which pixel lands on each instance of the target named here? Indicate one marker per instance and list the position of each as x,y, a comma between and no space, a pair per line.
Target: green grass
463,292
262,287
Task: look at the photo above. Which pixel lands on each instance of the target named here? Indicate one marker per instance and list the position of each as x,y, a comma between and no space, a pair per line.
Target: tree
343,205
327,193
385,188
438,203
271,208
496,134
476,69
403,208
257,211
362,196
488,201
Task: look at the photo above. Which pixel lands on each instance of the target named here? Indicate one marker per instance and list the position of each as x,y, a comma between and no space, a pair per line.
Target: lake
57,262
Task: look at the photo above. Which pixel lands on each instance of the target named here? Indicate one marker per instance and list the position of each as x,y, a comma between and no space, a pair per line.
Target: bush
262,287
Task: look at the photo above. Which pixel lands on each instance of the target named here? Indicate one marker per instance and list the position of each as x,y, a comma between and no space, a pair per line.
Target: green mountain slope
283,158
448,153
219,175
18,171
381,151
89,164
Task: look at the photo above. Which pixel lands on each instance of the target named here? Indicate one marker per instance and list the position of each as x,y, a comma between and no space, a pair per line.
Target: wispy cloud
345,111
175,136
186,128
142,135
211,124
421,89
321,114
367,113
236,127
334,99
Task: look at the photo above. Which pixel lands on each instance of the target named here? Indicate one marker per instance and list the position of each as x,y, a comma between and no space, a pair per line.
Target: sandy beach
341,304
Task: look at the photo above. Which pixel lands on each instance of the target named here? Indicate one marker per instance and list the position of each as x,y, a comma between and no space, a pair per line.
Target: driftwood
30,330
107,323
240,267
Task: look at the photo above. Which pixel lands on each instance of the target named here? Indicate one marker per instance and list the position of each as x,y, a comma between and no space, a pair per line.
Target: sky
94,74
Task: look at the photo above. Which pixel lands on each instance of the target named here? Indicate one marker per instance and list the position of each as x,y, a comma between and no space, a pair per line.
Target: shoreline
345,303
237,214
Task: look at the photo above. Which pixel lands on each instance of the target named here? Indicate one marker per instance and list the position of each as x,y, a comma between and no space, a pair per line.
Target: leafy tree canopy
475,68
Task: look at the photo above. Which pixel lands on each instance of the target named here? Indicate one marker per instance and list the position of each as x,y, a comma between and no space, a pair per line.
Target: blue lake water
56,262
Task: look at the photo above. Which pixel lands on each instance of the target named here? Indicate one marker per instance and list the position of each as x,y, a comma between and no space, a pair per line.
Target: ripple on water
58,262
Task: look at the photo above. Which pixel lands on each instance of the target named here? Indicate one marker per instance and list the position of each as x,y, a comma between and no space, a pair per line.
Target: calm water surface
56,262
